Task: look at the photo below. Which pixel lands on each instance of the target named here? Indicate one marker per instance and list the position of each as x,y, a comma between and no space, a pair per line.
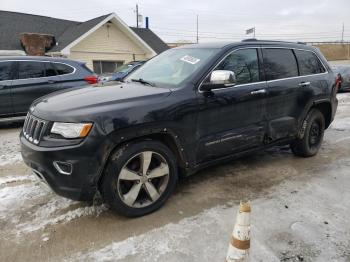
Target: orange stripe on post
240,244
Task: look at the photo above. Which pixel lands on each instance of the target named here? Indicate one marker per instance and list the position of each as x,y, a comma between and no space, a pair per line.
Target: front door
232,119
34,79
6,108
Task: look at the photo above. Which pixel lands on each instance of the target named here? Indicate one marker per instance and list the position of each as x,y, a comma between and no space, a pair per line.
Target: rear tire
311,141
139,178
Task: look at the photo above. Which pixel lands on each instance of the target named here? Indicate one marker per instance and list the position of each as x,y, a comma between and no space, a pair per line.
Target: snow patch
40,205
14,179
341,124
10,148
162,244
10,158
14,199
49,214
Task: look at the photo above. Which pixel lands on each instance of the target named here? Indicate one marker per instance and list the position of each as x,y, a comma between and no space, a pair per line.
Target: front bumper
86,160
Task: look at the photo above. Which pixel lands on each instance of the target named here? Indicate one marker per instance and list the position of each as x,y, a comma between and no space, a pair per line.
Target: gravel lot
300,210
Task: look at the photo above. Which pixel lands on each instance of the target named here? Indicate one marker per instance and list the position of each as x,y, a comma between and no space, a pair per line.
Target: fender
119,138
150,131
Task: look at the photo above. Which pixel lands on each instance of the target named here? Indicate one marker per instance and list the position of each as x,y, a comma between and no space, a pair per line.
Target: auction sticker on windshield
190,59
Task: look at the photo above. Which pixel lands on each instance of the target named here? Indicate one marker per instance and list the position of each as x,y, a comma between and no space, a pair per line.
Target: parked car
343,73
24,79
185,109
121,72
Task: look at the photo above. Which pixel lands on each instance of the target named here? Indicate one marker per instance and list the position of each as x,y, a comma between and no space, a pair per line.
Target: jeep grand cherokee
185,109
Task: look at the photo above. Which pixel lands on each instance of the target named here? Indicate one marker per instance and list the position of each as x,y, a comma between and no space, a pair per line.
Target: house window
101,67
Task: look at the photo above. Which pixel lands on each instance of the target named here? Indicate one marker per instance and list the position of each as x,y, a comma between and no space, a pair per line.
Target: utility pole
342,34
137,15
197,31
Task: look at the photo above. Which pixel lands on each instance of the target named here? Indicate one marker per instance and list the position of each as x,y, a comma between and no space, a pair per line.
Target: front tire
311,141
139,178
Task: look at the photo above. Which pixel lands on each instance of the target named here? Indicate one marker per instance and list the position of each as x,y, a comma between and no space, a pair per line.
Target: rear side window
5,71
279,63
244,63
63,69
30,69
49,69
309,63
86,68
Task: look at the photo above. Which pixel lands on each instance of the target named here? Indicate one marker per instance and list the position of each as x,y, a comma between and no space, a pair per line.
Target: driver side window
244,63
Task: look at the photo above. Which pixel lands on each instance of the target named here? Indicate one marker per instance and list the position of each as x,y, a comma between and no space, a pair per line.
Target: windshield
124,68
173,66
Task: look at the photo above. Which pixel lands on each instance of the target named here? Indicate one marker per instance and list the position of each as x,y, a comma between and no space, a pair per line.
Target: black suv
24,79
183,110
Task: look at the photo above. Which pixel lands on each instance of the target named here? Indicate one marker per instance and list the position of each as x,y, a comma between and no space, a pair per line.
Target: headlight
71,130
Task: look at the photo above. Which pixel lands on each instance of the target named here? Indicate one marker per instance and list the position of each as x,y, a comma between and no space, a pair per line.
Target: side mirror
219,79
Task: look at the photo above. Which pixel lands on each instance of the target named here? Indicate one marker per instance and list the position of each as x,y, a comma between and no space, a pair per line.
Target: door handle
51,81
257,92
304,84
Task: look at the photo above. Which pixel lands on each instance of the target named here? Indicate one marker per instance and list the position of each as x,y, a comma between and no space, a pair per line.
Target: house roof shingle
12,24
75,31
151,39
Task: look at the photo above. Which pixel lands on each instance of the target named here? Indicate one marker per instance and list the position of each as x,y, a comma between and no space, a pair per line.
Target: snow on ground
184,241
10,148
341,125
24,194
10,158
298,222
14,179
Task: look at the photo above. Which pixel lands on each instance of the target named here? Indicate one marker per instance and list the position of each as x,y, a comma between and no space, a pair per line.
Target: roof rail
250,40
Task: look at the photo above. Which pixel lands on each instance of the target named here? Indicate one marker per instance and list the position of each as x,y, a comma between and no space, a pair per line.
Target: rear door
5,88
314,79
34,79
283,86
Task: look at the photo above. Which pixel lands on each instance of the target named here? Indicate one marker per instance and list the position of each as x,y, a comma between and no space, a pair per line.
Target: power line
180,31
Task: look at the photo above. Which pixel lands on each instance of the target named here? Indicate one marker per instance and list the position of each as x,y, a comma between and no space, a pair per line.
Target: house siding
107,43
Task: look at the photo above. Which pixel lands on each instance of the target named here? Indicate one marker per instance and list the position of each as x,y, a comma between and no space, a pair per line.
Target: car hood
95,100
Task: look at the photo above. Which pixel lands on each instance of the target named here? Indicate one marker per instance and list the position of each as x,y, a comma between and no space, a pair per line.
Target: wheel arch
167,138
325,108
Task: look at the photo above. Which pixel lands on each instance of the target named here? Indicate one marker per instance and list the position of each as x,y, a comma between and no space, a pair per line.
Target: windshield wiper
144,82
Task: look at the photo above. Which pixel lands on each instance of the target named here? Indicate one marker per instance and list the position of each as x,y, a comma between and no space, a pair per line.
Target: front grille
34,128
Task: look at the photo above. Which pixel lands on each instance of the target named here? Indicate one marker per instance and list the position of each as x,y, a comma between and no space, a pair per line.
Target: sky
220,20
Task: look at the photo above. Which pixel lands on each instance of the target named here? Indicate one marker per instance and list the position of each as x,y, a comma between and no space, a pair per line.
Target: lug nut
149,180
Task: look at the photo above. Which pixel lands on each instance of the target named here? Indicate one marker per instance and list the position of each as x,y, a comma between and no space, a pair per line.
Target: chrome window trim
41,61
293,77
274,80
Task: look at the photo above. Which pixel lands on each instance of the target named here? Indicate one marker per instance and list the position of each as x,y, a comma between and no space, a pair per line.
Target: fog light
64,168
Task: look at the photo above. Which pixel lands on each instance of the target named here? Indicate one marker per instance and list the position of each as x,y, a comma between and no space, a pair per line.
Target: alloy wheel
315,134
143,179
